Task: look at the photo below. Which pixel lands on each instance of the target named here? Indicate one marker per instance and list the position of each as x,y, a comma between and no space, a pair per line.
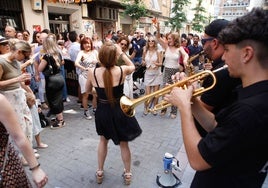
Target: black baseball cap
215,27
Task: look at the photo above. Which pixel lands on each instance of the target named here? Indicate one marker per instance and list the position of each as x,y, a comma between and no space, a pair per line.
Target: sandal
154,112
146,111
99,176
42,146
163,112
127,177
58,124
173,116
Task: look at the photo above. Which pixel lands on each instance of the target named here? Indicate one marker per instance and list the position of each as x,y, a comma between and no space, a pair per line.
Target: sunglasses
4,44
151,41
26,54
203,41
123,44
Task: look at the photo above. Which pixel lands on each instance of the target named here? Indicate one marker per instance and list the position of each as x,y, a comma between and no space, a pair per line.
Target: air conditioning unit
37,4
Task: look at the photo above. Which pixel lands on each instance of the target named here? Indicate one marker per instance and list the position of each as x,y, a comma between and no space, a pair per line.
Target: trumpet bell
126,105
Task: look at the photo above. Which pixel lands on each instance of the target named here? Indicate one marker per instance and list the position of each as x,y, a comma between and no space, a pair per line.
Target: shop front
10,14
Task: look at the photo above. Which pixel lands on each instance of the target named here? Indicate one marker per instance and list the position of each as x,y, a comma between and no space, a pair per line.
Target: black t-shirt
51,67
222,94
193,50
237,148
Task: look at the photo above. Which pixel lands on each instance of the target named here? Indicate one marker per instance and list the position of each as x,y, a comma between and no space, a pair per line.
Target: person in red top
184,44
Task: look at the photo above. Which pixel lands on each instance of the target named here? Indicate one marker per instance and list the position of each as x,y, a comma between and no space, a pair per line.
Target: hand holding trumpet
180,97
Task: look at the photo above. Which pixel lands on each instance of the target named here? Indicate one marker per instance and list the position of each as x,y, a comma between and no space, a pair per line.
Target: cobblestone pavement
71,158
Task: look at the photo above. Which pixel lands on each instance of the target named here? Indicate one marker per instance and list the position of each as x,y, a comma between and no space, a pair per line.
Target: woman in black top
111,122
50,66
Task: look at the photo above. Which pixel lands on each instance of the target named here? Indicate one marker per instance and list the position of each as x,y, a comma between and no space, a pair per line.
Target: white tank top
172,59
150,58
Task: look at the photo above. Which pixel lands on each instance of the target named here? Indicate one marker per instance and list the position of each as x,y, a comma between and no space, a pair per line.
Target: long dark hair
107,57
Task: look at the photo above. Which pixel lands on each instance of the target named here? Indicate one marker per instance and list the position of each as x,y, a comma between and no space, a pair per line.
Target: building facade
231,9
83,16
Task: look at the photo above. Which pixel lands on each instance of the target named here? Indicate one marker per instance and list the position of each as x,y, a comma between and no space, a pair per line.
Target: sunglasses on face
203,41
123,44
150,40
26,54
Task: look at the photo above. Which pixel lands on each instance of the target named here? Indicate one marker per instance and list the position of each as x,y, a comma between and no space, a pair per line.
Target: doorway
59,23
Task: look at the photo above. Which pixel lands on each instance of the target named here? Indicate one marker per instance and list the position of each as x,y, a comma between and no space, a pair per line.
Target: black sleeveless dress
110,121
54,85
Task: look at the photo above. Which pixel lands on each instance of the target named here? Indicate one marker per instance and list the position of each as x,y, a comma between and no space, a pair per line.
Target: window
155,5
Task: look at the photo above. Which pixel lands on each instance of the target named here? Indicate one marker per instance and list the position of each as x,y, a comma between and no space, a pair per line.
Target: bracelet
35,167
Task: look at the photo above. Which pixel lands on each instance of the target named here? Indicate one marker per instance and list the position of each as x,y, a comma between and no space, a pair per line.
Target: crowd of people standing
108,69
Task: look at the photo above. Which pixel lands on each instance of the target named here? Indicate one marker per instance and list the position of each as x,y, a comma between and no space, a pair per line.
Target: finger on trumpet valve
173,78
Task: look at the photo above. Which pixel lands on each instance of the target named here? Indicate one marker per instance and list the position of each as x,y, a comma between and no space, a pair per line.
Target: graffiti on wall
88,27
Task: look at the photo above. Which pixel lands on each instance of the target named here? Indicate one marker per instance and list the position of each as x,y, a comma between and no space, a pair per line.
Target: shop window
12,20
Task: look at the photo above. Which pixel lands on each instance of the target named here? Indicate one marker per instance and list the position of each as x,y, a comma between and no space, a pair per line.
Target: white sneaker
37,155
87,115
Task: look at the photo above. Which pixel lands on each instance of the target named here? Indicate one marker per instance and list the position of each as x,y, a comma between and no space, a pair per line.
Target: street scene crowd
219,126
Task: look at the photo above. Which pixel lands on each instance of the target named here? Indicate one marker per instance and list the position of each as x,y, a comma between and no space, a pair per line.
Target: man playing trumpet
234,152
221,94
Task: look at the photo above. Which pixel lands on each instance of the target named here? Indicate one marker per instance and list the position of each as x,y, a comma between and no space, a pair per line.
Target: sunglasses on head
204,40
4,44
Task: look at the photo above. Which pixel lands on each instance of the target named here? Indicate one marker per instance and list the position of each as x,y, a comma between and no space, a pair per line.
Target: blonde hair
147,43
50,47
16,44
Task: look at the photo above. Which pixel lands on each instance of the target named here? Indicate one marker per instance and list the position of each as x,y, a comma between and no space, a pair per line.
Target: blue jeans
137,60
64,91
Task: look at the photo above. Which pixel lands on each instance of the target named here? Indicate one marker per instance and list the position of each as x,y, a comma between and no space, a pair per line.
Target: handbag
4,165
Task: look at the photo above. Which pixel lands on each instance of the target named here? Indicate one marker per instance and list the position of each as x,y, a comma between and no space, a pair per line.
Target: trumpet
189,68
128,105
